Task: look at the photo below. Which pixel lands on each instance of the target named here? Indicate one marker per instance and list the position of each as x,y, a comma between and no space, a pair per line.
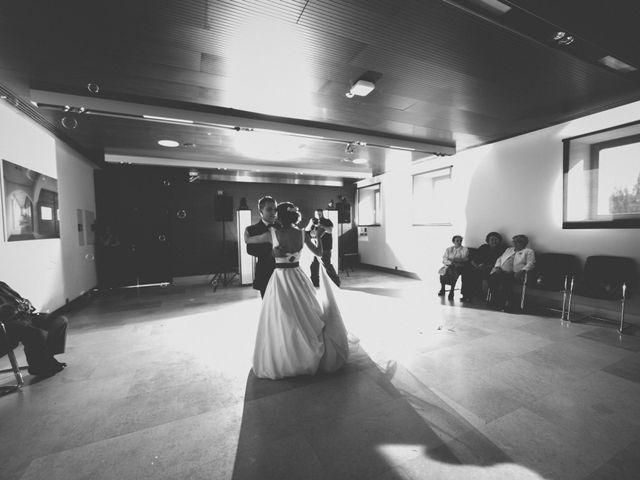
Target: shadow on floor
356,424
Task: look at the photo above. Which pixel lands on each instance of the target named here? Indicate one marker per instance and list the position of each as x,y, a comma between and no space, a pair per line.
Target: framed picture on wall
29,204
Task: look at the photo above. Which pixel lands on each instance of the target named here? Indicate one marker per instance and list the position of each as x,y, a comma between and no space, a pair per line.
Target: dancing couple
300,329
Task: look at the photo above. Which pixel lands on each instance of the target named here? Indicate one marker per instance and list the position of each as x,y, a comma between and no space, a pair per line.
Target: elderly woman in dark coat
479,267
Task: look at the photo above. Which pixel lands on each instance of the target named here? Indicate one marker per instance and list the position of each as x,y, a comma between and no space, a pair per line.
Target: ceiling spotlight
350,148
168,143
361,88
359,161
563,38
616,64
70,109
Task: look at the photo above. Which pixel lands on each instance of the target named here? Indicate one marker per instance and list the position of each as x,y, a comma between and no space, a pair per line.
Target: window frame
377,205
430,174
593,163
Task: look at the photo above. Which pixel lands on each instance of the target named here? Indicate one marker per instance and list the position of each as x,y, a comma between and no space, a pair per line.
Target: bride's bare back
290,239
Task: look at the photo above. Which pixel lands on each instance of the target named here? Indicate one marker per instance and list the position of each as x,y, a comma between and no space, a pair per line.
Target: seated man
42,336
510,267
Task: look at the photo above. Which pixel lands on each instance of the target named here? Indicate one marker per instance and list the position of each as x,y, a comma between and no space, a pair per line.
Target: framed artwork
29,204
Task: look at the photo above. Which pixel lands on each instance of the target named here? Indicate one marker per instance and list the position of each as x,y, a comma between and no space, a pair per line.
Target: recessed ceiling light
613,62
168,143
494,5
359,160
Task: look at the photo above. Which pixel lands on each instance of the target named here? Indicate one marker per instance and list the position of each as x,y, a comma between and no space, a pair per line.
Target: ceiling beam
216,117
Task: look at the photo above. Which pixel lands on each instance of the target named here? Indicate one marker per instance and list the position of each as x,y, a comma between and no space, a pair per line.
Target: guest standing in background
323,236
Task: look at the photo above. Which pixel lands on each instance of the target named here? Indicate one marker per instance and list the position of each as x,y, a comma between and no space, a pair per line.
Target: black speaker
344,212
223,209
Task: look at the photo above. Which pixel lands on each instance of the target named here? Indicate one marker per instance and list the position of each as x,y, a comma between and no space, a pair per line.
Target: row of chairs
603,277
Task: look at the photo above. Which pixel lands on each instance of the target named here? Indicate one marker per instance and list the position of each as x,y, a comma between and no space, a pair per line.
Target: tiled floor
159,387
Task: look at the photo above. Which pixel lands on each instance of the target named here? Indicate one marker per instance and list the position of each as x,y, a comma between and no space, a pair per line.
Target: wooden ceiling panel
612,25
441,73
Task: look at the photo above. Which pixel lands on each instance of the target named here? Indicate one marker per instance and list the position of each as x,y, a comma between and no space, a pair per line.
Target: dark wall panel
168,226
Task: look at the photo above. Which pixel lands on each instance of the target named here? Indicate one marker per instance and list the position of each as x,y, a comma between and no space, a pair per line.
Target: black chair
348,261
604,277
522,286
7,349
553,273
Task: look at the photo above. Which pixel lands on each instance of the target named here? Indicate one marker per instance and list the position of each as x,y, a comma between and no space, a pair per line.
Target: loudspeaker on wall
344,212
223,208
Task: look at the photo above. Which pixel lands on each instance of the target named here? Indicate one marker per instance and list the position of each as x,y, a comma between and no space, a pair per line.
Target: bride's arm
316,250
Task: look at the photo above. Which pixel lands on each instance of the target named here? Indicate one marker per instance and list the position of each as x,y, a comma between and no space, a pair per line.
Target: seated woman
454,259
480,264
42,336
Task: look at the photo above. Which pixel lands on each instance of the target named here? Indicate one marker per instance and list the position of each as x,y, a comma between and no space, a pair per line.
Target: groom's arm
256,246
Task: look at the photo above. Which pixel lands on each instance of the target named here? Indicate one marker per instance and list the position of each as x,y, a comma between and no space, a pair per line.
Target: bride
300,329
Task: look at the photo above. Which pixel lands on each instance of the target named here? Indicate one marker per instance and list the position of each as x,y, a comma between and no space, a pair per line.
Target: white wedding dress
300,329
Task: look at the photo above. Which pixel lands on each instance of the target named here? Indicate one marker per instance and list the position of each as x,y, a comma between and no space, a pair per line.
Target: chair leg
16,368
12,358
524,290
624,296
564,296
570,300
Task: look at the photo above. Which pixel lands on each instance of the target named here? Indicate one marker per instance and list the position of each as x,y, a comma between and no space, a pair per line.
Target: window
602,179
46,213
369,212
432,197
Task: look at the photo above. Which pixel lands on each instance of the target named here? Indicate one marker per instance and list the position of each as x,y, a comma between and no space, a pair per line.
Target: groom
262,251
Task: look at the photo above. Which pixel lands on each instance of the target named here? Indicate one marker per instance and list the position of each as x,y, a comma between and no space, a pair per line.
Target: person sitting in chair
42,336
481,262
454,259
510,267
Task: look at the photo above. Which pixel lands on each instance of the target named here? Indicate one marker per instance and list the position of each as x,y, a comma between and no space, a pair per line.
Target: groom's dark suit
266,262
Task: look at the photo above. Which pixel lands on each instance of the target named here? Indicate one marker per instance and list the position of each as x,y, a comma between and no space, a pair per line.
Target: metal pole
570,299
624,294
564,296
524,290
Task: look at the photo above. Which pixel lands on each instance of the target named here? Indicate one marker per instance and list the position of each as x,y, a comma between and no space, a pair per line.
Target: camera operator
327,244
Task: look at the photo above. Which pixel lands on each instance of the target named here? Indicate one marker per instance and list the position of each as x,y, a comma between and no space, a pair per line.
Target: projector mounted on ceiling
361,88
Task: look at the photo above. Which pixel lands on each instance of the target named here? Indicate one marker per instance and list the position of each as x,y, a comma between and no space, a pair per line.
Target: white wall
50,271
513,186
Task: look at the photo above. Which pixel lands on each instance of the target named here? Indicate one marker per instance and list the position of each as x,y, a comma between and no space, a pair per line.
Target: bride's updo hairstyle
288,214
